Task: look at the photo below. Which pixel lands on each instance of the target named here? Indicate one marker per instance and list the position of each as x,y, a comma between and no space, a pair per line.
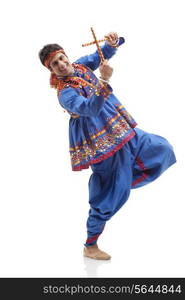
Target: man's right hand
105,70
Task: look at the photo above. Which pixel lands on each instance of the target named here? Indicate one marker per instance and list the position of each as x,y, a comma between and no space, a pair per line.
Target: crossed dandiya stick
97,44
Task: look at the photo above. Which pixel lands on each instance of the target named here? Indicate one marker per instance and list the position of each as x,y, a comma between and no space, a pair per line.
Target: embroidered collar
74,81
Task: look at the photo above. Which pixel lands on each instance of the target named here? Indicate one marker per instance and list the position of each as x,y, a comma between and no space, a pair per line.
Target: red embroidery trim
140,163
144,175
140,179
92,239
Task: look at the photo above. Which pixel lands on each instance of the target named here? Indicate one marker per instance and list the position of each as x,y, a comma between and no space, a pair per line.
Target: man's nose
61,64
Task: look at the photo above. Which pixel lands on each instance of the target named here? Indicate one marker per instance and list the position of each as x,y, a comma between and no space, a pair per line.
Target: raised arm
109,49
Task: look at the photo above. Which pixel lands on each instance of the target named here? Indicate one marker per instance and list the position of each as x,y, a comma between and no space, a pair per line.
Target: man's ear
52,72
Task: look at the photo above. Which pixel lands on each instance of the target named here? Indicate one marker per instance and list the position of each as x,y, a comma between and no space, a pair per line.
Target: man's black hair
46,50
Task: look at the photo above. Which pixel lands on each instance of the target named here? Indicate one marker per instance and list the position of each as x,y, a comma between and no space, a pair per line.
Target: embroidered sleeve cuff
120,41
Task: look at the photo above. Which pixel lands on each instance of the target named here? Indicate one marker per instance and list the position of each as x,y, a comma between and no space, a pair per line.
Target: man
103,136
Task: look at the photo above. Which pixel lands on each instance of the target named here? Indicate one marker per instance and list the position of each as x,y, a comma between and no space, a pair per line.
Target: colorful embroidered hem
103,156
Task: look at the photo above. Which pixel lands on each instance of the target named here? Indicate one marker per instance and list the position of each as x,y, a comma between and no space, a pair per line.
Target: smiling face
61,66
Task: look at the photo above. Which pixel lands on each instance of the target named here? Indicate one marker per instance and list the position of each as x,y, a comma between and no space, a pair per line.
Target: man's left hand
112,38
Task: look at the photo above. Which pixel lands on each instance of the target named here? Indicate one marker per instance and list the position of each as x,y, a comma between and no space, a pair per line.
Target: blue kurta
103,126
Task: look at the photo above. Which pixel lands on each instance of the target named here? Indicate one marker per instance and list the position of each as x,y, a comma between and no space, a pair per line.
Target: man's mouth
61,70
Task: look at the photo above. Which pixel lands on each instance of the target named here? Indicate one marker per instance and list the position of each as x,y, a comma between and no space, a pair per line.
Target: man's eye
61,57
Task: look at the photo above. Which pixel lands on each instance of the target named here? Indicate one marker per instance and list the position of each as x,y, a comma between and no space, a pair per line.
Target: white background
43,204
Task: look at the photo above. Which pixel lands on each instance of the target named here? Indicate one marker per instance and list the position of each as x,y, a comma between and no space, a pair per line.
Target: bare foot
95,253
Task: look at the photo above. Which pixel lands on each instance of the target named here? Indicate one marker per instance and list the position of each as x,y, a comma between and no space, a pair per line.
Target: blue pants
140,161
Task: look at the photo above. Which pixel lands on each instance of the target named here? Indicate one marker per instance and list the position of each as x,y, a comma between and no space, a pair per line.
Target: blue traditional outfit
103,136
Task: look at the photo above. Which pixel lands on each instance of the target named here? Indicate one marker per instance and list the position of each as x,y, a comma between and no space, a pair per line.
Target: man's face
60,65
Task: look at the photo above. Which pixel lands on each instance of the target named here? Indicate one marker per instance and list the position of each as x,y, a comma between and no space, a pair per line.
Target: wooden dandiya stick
98,47
91,43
